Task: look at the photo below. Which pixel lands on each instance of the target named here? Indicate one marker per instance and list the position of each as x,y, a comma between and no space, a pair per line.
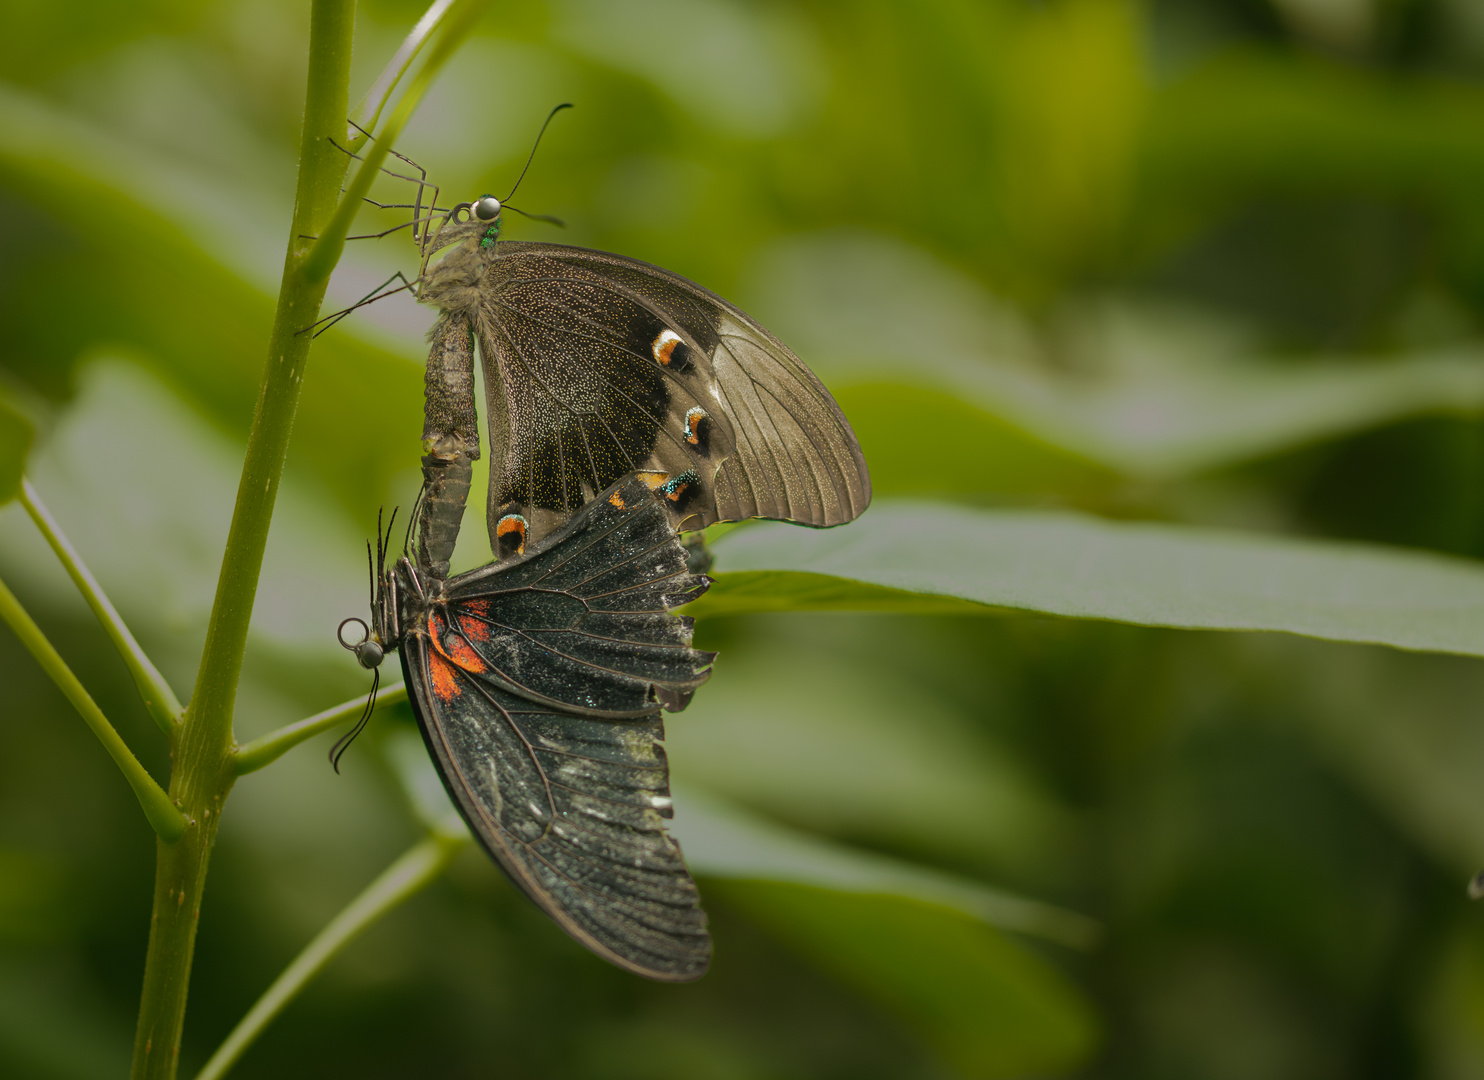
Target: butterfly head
368,651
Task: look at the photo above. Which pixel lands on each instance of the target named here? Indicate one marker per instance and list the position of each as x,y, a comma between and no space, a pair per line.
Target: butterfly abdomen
450,442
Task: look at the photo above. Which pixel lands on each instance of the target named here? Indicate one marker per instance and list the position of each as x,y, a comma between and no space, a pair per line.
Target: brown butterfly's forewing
538,686
598,365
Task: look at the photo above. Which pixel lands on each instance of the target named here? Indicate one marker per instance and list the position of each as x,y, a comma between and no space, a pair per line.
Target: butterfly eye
487,208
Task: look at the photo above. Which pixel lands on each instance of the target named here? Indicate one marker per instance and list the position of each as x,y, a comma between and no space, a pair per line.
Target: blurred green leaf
169,256
987,1006
1185,415
1252,122
33,896
868,753
922,441
1083,567
1404,728
723,842
1069,98
1143,391
54,1025
16,434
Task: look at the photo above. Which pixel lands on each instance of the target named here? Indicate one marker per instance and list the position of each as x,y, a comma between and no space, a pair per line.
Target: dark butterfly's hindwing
597,365
573,809
583,624
538,686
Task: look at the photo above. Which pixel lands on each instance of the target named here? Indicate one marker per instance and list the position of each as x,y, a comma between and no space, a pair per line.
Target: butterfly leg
370,298
421,180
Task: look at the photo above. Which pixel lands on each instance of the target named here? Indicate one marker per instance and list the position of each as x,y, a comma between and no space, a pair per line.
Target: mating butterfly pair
625,404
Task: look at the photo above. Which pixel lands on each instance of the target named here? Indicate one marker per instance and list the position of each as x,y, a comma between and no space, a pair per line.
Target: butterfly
597,366
538,684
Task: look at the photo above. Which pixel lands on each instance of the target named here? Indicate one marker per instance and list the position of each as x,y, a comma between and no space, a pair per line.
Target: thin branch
458,23
368,111
159,699
409,875
266,749
163,816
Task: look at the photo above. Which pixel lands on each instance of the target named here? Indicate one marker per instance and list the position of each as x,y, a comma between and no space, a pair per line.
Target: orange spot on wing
512,525
617,500
461,654
453,647
653,480
475,629
664,345
445,681
693,421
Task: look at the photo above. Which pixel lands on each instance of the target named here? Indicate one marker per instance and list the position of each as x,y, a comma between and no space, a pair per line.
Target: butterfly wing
597,365
584,624
572,808
538,686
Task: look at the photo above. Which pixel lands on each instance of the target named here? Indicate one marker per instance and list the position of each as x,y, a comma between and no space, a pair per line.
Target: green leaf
16,434
724,842
988,1007
1263,121
922,441
179,292
874,755
952,393
916,556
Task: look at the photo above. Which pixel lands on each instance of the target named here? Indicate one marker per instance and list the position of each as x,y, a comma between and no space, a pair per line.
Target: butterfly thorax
452,283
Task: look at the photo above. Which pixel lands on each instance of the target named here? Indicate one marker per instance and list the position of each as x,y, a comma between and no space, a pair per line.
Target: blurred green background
1216,262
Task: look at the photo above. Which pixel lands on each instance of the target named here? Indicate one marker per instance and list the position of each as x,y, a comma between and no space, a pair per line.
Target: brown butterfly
597,366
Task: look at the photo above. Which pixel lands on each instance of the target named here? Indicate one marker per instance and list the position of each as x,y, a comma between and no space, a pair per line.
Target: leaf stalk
414,871
164,707
266,749
167,821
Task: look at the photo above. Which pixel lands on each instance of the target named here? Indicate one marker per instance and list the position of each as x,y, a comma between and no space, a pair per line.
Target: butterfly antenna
342,744
558,222
387,543
371,573
417,507
522,176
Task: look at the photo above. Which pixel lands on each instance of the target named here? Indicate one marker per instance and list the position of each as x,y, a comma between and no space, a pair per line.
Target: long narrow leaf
924,556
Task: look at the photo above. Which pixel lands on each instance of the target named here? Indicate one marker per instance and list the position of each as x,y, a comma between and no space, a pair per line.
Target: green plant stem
159,699
414,871
202,776
369,110
457,24
164,818
252,756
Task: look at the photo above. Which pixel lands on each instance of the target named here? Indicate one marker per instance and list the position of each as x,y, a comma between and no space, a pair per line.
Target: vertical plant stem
202,775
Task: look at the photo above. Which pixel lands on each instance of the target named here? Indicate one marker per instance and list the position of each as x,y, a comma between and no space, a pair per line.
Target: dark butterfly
598,366
538,685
